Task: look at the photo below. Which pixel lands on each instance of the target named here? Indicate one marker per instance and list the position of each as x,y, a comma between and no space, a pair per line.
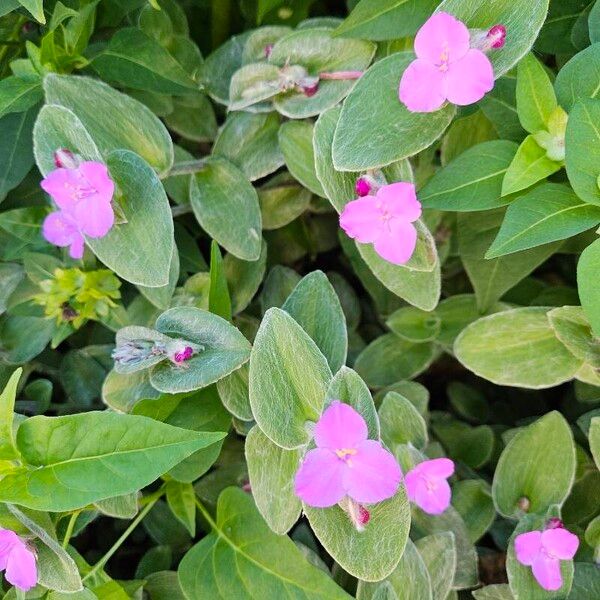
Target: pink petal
422,87
8,539
560,542
433,497
339,427
546,570
94,216
361,219
469,79
61,184
319,480
528,546
372,474
397,242
436,468
60,229
401,200
442,33
76,247
21,570
97,175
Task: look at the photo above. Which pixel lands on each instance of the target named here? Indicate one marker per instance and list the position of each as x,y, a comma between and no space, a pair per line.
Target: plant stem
181,209
153,498
341,75
206,514
187,167
70,527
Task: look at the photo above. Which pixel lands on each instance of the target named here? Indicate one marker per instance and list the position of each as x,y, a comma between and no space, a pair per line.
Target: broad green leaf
414,325
134,59
250,142
555,36
181,499
472,498
125,453
464,133
386,19
548,213
523,18
8,450
244,278
389,358
314,305
582,144
225,350
122,392
23,337
518,348
473,180
318,52
375,128
219,191
594,23
296,143
35,8
586,582
573,330
500,107
536,469
19,95
595,440
141,249
252,85
579,78
492,278
119,507
535,95
530,165
401,422
219,301
272,470
259,39
469,402
243,558
161,296
193,118
438,552
234,393
497,591
279,284
589,292
282,201
96,103
288,380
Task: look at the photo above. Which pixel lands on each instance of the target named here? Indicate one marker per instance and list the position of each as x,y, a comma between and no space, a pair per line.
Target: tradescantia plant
300,298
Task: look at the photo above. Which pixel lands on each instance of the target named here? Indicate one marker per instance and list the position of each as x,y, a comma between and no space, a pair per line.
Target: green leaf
409,580
439,555
272,470
518,348
401,422
314,305
282,201
95,104
579,78
497,591
548,213
19,95
414,325
243,558
595,440
23,337
582,143
473,180
181,499
536,469
375,128
219,191
472,498
386,19
523,18
250,142
35,8
586,582
252,85
219,301
225,350
573,330
500,107
589,293
389,358
535,95
136,60
161,296
288,380
296,143
244,278
125,453
233,391
193,118
8,450
530,165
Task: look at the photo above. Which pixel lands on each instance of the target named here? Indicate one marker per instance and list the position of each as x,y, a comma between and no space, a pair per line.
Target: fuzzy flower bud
497,36
65,159
362,187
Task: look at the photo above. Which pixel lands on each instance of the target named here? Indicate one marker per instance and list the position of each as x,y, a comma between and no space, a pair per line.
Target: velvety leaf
18,95
535,95
573,330
219,302
438,552
181,499
414,325
401,422
589,293
244,278
234,393
579,78
472,499
595,440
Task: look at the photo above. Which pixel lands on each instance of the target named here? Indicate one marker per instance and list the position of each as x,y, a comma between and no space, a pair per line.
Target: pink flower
543,551
345,463
446,67
83,195
385,220
427,486
17,560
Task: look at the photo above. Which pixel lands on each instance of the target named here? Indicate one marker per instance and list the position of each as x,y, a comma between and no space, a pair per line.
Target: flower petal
560,543
422,87
442,34
60,229
469,79
397,242
94,216
76,247
528,546
546,570
361,219
372,474
8,539
21,570
98,177
401,200
436,468
340,426
61,184
319,480
433,497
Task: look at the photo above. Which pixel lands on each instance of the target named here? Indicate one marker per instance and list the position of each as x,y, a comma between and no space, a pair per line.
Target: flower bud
497,36
65,159
268,50
362,187
554,523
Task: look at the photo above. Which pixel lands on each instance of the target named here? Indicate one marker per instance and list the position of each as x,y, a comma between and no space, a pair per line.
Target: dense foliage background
167,480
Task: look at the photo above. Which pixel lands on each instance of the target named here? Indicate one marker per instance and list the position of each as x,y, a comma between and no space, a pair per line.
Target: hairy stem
70,527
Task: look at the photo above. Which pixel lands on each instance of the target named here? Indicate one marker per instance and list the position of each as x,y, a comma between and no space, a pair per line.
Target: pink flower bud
497,36
185,354
65,159
362,187
364,516
309,86
554,523
268,50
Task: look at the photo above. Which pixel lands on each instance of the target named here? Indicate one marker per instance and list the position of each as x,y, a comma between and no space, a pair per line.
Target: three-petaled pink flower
543,551
385,220
345,464
427,487
83,195
17,560
446,67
